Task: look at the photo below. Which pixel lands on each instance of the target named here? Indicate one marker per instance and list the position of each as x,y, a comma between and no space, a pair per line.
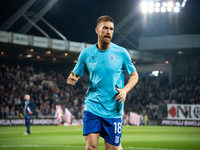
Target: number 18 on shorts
110,128
118,130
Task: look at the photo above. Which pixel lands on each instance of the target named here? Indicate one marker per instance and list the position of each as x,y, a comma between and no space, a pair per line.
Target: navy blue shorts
110,128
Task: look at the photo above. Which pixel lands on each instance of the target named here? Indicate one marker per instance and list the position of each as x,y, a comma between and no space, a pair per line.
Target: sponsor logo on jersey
92,63
112,58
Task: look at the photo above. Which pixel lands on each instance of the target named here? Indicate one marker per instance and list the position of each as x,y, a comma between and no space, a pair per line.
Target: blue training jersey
106,72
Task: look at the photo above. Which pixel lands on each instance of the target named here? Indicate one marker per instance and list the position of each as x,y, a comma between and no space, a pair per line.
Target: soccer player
28,110
105,63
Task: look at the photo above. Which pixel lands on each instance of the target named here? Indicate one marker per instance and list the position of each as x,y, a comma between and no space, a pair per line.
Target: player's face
105,31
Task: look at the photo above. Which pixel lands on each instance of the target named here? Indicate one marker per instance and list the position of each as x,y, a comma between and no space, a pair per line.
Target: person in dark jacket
29,108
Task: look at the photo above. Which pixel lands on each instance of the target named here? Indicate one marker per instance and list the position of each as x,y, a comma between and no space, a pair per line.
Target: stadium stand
48,88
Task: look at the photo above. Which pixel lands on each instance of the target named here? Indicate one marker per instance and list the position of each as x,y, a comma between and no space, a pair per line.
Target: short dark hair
104,18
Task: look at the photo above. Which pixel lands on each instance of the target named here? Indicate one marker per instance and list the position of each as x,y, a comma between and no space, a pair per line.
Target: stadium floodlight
163,9
151,9
176,9
164,4
177,4
169,9
144,10
144,4
151,5
157,4
157,9
170,4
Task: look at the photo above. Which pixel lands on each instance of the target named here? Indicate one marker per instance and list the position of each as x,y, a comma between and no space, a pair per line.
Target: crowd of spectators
16,82
185,90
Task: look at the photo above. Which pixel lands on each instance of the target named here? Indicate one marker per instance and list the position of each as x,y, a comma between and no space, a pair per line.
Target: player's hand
121,96
72,79
30,112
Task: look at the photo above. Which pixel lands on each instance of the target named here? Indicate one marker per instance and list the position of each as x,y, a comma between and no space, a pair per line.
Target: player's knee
91,147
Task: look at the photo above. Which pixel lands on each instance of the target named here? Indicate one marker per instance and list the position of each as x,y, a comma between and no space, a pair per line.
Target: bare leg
121,147
111,147
92,141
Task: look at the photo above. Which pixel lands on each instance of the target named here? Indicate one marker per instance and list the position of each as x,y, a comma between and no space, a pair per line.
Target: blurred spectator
16,81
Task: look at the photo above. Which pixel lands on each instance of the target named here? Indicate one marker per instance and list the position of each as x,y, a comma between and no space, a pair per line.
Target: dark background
76,19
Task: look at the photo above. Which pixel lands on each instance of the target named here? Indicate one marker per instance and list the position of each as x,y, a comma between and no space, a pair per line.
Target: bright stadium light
169,9
144,7
157,4
170,4
157,9
164,4
163,9
176,9
144,10
177,4
151,5
144,4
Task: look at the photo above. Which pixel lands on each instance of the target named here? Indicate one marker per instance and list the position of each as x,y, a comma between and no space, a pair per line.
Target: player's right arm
72,78
78,70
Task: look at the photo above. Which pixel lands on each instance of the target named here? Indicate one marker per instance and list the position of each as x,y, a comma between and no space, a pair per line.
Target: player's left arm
131,83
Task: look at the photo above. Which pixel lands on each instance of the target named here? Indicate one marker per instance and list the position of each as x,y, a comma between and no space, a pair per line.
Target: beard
106,40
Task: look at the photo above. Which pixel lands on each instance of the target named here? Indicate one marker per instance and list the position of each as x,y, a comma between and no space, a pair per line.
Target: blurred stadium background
40,41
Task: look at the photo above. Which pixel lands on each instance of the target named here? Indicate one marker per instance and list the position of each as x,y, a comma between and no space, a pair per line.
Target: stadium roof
76,20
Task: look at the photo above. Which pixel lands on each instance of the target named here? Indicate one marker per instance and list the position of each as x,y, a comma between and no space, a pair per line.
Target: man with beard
105,63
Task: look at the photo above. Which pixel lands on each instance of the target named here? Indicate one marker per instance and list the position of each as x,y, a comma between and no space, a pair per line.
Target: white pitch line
142,148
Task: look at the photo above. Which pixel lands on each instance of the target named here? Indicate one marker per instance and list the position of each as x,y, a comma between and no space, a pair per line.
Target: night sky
76,19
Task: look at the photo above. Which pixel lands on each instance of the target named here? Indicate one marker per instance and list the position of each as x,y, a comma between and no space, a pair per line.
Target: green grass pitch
70,138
